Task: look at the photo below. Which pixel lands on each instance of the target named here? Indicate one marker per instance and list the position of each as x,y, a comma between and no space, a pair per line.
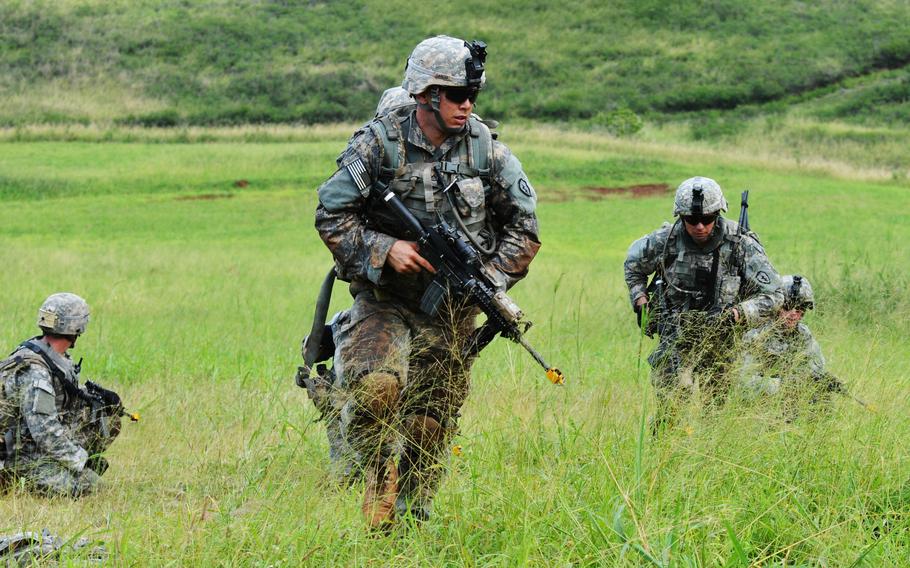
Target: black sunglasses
703,219
459,95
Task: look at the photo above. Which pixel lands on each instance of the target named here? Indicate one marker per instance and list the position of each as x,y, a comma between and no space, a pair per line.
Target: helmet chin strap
434,107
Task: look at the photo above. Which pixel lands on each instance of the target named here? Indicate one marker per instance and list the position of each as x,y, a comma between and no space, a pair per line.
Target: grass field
202,287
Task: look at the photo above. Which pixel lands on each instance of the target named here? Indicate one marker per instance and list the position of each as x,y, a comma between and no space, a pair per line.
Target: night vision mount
698,201
474,64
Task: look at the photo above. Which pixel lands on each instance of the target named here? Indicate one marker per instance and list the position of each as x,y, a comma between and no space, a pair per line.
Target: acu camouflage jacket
42,418
771,351
494,196
729,270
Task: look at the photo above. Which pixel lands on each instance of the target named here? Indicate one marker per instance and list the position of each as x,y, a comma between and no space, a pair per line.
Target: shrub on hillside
618,122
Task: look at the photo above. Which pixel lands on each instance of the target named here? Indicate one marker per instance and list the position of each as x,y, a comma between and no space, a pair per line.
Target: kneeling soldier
783,354
54,431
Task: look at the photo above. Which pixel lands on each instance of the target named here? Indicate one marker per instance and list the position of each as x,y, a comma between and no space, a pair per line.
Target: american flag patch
358,172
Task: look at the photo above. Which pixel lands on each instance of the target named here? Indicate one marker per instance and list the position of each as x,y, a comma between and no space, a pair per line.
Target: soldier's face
455,114
790,318
701,229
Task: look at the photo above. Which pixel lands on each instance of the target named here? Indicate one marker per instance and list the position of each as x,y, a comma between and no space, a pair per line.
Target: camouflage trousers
400,382
692,357
47,476
50,478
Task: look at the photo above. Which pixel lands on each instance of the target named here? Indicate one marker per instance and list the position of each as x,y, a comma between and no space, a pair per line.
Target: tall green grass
199,305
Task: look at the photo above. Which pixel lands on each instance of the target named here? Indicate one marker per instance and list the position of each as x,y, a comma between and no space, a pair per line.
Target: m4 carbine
459,273
107,399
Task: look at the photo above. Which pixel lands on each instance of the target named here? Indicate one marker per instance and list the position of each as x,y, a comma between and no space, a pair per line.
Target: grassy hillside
163,63
202,288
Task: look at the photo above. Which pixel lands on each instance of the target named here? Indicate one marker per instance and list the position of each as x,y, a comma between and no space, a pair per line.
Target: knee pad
424,431
378,393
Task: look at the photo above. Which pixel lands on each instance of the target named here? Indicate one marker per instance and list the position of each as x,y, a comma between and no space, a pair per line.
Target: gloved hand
722,317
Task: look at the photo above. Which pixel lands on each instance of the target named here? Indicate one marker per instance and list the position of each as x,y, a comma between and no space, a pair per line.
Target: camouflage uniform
775,357
701,284
53,433
400,379
782,356
51,437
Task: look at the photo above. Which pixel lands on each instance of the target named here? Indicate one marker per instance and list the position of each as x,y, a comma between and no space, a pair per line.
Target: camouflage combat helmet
447,62
63,314
699,196
797,292
444,61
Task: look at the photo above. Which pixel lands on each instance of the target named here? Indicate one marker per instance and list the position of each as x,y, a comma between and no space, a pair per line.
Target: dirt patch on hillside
204,197
634,191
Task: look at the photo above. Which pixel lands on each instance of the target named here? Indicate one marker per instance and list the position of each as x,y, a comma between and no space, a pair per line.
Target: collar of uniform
419,139
63,361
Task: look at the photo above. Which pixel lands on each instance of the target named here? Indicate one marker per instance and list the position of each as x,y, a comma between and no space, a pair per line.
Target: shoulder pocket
45,401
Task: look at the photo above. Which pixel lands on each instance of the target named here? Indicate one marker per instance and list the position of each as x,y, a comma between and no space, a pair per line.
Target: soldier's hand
639,302
404,257
723,317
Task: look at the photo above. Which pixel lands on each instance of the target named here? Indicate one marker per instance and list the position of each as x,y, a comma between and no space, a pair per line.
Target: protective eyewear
459,95
699,219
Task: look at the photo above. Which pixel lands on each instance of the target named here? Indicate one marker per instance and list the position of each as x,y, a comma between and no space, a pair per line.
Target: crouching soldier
709,274
782,355
53,430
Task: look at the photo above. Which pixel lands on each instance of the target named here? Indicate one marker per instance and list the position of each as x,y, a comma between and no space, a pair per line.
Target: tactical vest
18,360
703,280
417,182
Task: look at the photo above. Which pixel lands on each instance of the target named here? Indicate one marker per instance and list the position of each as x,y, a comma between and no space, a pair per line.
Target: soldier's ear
422,98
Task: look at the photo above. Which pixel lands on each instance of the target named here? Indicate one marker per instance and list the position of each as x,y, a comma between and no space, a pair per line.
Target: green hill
231,62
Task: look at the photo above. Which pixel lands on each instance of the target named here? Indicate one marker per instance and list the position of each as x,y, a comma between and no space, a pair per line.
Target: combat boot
380,494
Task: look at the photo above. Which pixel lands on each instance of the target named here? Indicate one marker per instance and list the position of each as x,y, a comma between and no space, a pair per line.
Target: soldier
397,368
783,354
708,276
53,436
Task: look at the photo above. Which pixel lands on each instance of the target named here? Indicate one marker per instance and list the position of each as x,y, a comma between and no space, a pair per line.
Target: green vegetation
176,62
201,290
160,158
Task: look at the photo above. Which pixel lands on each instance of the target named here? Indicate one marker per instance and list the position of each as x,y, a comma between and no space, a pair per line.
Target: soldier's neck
58,344
427,123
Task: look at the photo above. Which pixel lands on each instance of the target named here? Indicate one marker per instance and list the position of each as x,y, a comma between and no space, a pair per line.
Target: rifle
655,307
744,213
832,384
95,394
458,271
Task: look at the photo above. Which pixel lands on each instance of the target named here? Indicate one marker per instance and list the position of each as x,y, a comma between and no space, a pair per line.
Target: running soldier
398,370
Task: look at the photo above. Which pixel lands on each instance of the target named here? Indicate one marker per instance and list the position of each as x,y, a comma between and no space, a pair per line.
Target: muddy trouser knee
433,397
371,365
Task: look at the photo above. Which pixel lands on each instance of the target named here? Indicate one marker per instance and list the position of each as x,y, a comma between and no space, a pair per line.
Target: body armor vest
18,360
702,279
420,184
